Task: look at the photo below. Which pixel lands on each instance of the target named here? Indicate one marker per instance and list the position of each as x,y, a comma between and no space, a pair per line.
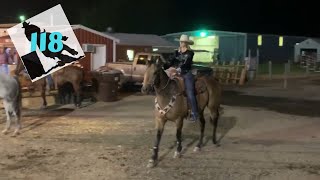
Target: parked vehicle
133,72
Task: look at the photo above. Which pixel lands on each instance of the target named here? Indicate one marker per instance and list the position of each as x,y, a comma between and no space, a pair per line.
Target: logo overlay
46,43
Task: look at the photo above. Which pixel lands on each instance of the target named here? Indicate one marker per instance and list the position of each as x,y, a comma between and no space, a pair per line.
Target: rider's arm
172,60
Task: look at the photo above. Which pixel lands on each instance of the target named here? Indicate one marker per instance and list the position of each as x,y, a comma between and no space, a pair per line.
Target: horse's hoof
15,133
216,145
197,149
177,154
151,163
5,131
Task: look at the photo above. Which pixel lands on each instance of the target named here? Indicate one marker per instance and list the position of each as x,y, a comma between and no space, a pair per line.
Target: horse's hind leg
202,126
8,122
179,125
214,115
154,158
18,124
43,95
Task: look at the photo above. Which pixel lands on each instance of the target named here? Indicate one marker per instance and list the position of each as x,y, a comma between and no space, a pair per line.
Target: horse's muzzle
146,89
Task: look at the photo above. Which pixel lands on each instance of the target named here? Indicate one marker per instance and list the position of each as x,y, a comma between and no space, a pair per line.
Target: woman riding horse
171,103
182,62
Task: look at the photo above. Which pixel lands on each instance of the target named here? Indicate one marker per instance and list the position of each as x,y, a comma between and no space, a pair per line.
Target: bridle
153,81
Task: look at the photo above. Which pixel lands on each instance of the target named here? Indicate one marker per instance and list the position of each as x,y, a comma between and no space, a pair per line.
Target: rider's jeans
190,90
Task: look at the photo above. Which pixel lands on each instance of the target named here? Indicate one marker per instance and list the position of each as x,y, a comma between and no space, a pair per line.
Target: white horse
10,92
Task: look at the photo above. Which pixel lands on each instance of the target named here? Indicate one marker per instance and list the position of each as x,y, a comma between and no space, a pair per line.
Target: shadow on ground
278,104
41,117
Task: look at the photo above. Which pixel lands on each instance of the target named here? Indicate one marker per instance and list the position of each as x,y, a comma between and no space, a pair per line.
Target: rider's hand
179,70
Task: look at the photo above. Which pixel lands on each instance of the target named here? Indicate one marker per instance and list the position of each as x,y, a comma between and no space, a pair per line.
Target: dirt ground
266,132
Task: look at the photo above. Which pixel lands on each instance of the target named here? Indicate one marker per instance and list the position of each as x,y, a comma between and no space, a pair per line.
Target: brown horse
171,104
72,74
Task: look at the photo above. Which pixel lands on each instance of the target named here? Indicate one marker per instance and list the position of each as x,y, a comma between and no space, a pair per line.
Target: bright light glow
203,34
212,37
22,18
280,41
130,54
155,49
259,40
297,44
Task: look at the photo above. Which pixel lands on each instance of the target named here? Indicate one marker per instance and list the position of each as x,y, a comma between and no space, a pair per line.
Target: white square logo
46,43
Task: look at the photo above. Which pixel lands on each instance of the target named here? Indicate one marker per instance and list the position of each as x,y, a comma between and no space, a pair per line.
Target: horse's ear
159,62
149,62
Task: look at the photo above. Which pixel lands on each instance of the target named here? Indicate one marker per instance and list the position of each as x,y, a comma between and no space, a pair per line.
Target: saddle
200,86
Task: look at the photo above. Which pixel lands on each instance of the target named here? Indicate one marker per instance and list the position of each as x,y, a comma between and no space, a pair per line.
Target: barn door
98,57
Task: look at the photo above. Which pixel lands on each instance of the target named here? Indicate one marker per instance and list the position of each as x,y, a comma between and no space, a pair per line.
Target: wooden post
289,66
257,62
228,75
307,69
285,76
236,72
243,76
270,70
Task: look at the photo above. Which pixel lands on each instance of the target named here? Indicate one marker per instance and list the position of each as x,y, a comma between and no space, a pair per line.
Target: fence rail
310,62
232,73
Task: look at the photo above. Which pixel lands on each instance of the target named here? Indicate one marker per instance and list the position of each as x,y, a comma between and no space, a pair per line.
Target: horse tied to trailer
71,74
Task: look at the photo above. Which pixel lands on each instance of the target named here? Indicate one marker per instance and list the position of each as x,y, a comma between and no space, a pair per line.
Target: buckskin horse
72,74
171,104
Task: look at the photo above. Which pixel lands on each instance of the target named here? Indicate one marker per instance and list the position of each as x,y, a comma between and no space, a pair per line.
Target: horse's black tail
18,100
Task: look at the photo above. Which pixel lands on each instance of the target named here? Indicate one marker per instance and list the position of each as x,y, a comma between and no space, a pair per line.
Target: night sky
169,16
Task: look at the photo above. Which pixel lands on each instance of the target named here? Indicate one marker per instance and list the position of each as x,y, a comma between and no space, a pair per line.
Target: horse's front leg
179,125
154,158
202,126
77,98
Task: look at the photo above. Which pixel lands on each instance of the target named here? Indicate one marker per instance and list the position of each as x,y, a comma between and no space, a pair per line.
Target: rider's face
183,44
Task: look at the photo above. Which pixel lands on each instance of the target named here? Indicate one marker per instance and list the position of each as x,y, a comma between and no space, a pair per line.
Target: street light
203,33
22,18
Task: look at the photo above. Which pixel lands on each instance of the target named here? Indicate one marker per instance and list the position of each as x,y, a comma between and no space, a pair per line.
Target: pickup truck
133,72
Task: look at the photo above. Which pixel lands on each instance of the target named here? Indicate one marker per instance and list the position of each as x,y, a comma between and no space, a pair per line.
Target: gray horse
10,92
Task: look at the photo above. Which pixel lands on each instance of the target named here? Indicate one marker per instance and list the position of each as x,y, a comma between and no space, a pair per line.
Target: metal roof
95,32
141,39
219,33
316,40
77,26
8,25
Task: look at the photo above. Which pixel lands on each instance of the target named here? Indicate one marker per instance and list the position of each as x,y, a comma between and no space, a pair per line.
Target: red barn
99,48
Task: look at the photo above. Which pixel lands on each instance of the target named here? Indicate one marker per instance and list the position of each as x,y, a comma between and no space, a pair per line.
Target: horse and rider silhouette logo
32,61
